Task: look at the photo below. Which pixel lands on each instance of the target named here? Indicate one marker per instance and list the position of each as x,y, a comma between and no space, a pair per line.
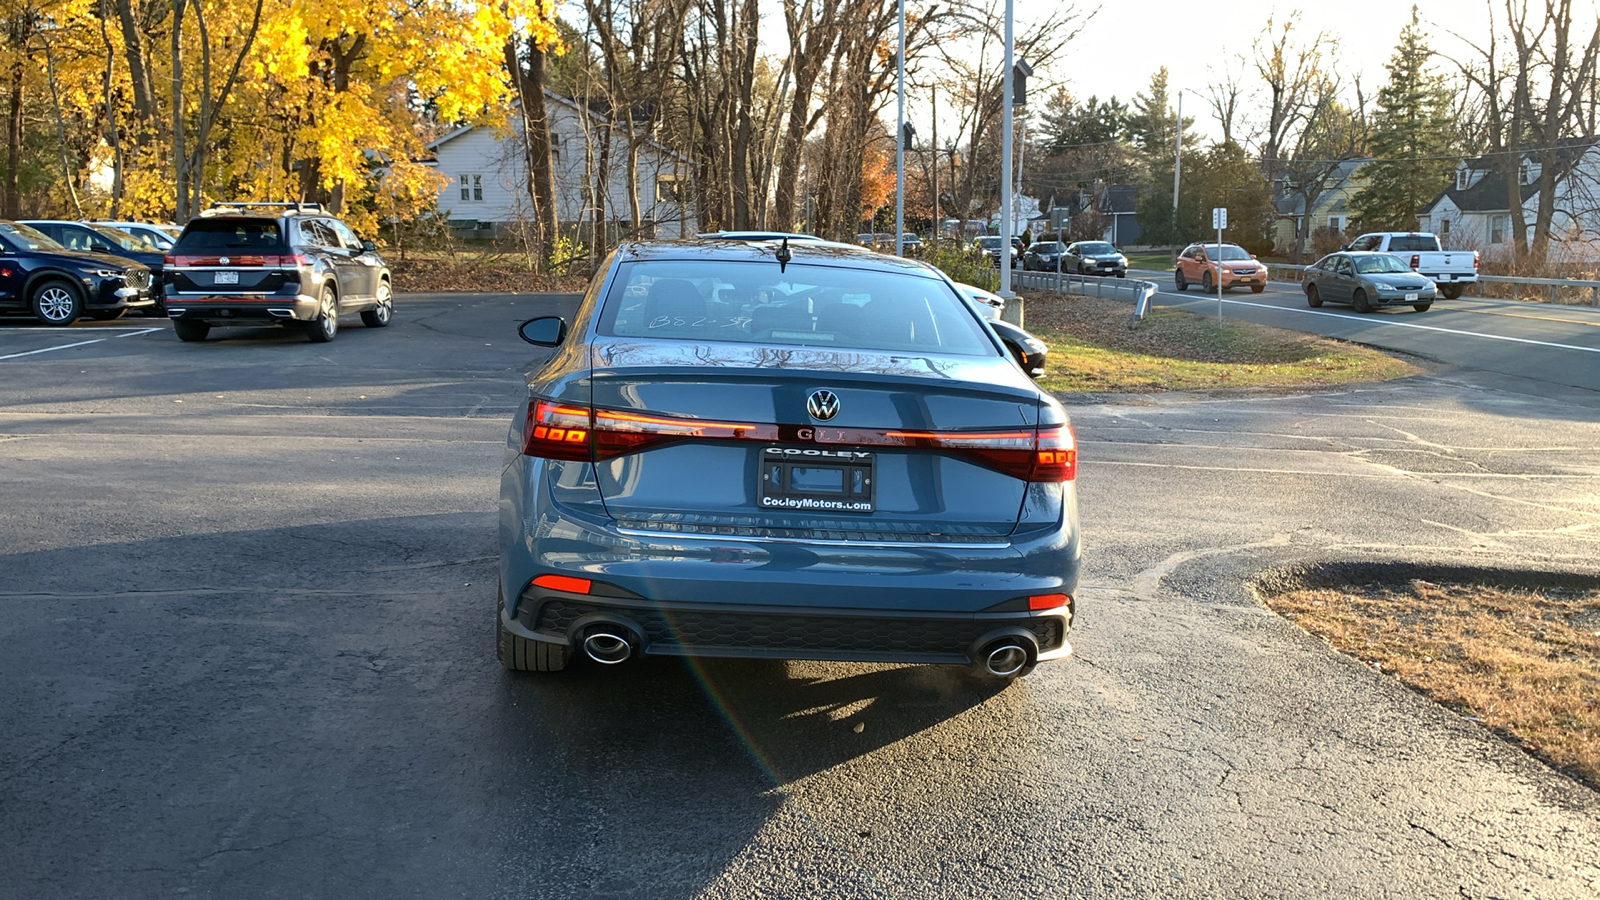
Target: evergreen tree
1151,128
1412,139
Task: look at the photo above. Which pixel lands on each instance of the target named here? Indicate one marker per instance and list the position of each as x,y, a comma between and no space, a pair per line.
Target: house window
1497,229
471,186
555,150
1461,179
1336,223
1523,174
669,189
1444,229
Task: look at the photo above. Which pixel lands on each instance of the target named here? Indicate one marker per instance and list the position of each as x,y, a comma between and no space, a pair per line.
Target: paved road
245,601
1558,344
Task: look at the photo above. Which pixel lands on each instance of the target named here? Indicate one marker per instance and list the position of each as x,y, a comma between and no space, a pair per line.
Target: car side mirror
368,246
545,331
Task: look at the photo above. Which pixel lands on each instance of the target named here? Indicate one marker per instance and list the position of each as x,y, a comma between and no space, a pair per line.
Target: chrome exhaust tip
1006,658
609,645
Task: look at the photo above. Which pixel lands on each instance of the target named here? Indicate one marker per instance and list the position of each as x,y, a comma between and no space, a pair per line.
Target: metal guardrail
1140,292
1296,274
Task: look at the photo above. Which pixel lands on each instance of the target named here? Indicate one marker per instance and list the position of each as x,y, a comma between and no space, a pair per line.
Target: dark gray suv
285,264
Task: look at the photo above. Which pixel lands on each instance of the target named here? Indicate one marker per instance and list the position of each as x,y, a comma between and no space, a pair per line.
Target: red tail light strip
555,431
247,261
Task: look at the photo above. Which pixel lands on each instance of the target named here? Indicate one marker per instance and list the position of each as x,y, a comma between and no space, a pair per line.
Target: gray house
487,176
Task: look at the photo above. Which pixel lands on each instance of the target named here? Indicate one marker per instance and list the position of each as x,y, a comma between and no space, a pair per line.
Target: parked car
1366,281
1043,256
1095,258
1029,352
1199,264
92,238
1449,269
992,246
58,286
159,235
863,476
911,244
287,264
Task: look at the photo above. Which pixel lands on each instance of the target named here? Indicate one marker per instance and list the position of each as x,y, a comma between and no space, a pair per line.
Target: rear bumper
758,632
256,309
912,599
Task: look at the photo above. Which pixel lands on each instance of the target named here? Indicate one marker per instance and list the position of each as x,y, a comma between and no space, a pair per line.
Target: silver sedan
1366,281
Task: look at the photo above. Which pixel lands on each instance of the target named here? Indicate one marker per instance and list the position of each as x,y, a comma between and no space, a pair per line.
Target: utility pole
933,104
900,139
1003,258
1177,163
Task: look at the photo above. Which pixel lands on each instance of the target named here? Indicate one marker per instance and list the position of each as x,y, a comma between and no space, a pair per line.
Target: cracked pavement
248,652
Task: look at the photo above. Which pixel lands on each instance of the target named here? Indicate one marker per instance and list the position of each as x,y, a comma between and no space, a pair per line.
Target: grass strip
1092,349
1525,663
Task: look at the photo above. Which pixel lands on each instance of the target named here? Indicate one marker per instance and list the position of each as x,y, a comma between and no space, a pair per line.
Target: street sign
1219,217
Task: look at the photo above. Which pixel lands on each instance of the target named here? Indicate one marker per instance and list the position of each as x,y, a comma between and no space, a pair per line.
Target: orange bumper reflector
1047,601
564,583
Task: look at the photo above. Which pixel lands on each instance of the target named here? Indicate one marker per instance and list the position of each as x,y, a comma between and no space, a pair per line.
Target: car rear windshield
801,305
230,234
1413,243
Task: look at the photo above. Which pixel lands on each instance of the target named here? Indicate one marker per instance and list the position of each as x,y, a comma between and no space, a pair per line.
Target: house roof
1489,193
1337,181
549,95
1120,198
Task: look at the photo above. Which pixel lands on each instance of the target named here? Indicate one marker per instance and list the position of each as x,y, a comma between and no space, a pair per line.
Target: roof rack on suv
221,206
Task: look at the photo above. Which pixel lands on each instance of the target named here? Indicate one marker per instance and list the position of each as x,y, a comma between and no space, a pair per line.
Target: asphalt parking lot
247,589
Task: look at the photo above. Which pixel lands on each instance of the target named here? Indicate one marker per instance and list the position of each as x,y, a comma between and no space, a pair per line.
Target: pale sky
1125,42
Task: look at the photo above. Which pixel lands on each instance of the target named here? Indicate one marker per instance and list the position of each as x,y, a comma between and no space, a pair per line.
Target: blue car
787,452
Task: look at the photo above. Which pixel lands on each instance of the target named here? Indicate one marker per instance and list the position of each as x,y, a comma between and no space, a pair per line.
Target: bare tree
1292,74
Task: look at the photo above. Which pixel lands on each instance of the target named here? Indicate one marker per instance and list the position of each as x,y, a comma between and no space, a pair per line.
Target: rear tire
189,330
1206,284
379,316
56,302
520,654
1180,282
1450,291
325,326
1421,307
1359,301
1313,299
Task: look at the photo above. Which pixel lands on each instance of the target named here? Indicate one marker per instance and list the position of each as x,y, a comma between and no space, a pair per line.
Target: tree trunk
529,78
144,102
12,208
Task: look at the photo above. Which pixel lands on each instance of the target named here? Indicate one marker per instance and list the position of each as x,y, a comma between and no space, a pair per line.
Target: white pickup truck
1449,269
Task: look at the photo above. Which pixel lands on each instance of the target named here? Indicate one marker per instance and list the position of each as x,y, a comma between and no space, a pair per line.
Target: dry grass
1525,663
1092,349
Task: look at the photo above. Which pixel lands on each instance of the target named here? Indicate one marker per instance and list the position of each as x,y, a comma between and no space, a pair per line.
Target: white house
1474,213
488,183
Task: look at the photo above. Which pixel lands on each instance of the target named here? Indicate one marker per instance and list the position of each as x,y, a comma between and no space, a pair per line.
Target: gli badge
822,405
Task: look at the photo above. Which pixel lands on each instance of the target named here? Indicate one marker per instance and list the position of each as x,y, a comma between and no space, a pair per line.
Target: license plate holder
813,479
1411,298
1445,277
226,278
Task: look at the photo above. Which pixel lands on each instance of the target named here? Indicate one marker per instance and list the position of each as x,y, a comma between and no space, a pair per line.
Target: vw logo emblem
822,405
223,260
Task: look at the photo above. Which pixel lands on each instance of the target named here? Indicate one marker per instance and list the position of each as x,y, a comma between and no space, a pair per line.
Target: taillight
1047,601
1416,261
1044,454
618,433
553,431
289,260
1474,260
563,583
556,431
169,260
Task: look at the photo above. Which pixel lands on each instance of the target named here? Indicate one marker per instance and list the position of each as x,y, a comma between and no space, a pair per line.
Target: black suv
58,286
273,264
86,237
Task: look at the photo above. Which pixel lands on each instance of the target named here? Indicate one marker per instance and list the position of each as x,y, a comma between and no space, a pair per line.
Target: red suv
1199,263
286,264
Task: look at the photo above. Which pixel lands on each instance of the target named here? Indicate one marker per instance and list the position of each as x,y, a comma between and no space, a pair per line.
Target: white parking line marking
1356,318
62,347
137,333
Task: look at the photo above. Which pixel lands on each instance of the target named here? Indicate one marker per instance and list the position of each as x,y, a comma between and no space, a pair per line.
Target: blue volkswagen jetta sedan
765,450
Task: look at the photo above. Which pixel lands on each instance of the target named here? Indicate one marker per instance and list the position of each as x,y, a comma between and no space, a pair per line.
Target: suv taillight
287,261
559,431
1416,261
169,260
